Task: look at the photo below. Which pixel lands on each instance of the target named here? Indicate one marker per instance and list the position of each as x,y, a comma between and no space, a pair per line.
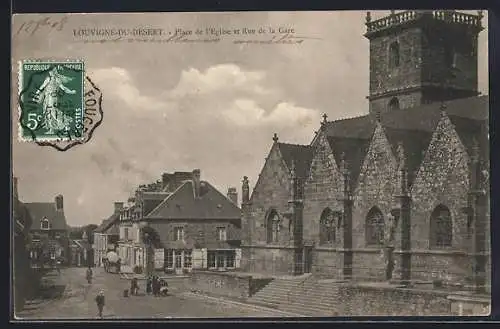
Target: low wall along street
350,298
226,284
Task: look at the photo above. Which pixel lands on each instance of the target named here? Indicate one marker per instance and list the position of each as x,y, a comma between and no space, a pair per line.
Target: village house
107,235
21,260
400,193
49,232
79,253
185,223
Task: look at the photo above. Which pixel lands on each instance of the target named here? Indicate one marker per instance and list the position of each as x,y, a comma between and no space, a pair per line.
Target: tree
151,240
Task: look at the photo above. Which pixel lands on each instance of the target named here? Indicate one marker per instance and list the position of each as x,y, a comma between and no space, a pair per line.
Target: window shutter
159,258
197,258
137,232
237,259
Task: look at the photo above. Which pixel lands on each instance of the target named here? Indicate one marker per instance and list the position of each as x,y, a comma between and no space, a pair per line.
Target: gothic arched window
45,225
441,227
394,104
374,227
327,227
272,226
394,54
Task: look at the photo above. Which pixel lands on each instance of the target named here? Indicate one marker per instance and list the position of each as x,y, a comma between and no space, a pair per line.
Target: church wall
271,192
321,190
463,52
375,187
270,260
406,100
442,179
327,262
384,78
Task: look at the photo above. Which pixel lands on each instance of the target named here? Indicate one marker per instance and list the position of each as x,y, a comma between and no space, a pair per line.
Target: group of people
156,286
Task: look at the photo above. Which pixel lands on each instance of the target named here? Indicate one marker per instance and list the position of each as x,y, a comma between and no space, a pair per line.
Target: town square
278,171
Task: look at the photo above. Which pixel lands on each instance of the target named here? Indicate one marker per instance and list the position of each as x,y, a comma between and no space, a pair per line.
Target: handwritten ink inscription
45,24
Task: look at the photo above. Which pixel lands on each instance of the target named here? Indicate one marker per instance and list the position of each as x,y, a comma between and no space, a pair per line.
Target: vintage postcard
250,164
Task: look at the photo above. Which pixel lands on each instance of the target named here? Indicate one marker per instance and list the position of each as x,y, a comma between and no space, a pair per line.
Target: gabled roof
301,154
413,127
109,225
414,142
41,210
182,204
354,150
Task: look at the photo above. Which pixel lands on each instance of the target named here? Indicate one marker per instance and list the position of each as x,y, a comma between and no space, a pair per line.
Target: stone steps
310,297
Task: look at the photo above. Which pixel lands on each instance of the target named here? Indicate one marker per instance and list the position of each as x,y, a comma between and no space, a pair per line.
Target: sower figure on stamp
48,94
100,302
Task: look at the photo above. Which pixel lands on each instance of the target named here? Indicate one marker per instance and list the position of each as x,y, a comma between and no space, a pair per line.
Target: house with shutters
107,235
193,224
399,193
49,232
21,259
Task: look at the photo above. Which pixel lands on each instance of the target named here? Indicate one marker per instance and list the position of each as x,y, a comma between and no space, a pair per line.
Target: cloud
248,113
219,78
119,83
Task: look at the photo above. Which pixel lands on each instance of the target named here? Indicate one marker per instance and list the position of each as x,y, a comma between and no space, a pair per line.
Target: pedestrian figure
149,283
89,275
100,302
155,285
134,286
163,288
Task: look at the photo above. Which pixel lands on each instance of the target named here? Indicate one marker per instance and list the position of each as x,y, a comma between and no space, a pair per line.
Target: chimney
118,207
232,195
165,181
14,188
59,202
196,182
245,191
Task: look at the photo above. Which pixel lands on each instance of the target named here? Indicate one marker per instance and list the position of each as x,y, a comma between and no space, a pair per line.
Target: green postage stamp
51,100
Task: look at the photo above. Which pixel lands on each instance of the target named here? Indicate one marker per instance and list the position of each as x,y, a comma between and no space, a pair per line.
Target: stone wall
233,285
373,301
385,78
268,260
271,192
405,99
321,190
327,262
376,185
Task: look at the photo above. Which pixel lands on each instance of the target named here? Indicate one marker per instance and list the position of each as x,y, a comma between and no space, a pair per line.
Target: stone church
401,193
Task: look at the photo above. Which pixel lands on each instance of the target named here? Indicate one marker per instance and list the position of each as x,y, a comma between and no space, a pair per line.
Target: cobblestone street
78,302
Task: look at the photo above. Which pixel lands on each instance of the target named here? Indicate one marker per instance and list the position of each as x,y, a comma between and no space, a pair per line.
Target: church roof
40,210
354,150
413,128
182,204
301,154
415,143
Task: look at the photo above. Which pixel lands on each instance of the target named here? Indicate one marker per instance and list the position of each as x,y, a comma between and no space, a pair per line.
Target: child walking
100,302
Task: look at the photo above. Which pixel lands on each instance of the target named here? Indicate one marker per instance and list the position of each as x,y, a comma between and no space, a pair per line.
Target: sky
176,107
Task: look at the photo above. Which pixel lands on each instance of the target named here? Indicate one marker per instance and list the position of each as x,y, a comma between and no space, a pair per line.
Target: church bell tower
422,56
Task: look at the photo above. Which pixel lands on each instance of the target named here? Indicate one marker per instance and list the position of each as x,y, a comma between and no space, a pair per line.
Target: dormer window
44,224
394,59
